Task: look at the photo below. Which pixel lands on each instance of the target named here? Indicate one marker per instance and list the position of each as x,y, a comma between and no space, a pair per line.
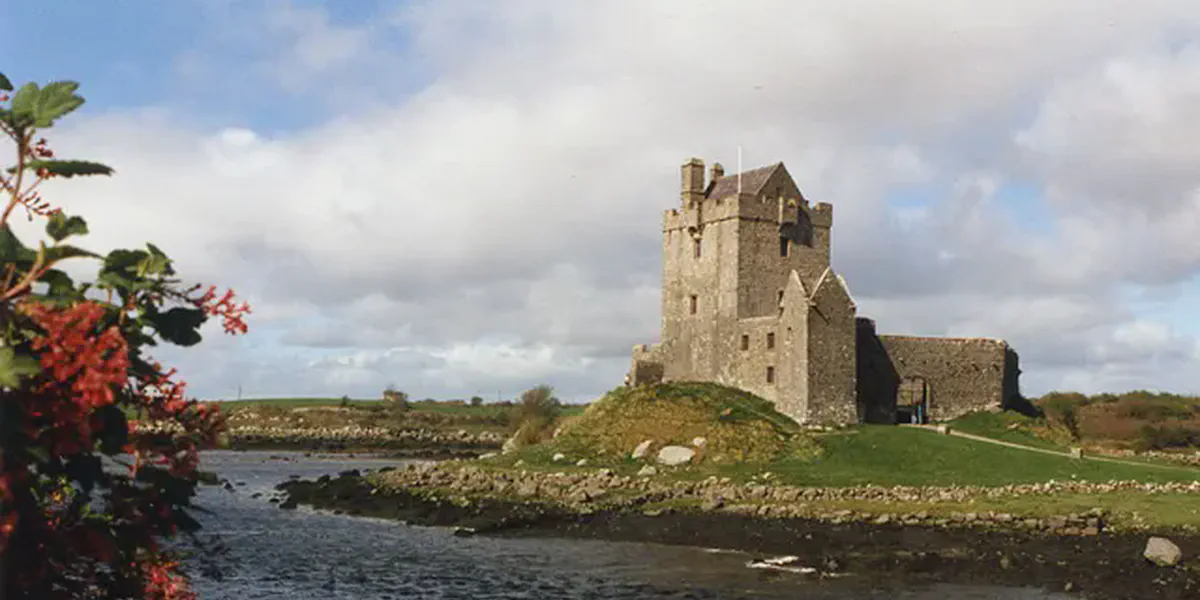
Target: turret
692,190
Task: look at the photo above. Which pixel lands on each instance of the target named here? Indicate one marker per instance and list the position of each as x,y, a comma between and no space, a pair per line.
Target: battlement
963,341
821,214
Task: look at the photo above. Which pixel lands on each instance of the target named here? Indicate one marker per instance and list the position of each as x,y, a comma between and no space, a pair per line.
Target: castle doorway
912,401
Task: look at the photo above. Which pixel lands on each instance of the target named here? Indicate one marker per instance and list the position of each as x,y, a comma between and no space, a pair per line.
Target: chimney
715,172
693,181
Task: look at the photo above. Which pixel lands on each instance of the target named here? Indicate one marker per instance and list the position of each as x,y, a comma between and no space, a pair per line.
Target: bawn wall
964,374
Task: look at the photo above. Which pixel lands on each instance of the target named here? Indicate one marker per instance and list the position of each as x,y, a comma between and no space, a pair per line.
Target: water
302,555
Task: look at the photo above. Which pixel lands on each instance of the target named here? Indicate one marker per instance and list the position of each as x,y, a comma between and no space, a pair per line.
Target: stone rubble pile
351,434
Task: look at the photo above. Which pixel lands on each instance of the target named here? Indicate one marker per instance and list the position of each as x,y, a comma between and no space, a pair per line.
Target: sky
465,198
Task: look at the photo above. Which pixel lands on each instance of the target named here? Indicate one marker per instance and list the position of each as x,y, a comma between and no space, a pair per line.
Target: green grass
737,426
1007,426
886,455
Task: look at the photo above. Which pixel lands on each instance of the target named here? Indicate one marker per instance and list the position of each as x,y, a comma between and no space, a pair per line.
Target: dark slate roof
752,182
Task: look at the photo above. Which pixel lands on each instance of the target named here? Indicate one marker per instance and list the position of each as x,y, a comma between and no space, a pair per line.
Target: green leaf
5,84
155,263
56,100
179,325
13,368
60,284
24,105
68,168
12,250
56,253
60,226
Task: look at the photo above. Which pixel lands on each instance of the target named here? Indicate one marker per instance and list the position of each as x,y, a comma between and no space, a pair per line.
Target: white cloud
517,195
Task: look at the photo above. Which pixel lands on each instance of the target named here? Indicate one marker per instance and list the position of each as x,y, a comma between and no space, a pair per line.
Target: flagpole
739,170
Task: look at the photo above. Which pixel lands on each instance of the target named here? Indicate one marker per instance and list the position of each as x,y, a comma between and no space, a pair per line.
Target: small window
770,374
770,340
783,246
694,302
696,248
779,302
745,342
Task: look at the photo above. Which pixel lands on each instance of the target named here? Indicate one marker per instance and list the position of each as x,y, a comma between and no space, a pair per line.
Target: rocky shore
400,443
1071,552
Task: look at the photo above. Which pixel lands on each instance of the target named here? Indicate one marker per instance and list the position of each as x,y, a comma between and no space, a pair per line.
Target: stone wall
963,374
831,353
877,377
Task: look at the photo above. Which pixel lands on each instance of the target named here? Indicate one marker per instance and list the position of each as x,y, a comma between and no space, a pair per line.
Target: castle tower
729,253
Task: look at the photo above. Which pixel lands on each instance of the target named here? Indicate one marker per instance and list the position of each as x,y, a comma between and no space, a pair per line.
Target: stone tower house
750,300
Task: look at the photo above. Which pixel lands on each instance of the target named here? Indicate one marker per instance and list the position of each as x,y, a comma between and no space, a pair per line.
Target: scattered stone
558,457
714,503
641,450
699,442
675,455
1162,552
647,471
581,462
488,455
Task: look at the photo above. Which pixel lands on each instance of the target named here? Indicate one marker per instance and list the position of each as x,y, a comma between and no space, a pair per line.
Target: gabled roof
830,276
752,182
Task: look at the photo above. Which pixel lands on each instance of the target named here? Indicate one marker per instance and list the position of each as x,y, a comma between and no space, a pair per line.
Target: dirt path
980,438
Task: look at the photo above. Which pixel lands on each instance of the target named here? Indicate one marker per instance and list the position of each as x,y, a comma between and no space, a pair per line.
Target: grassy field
1011,427
418,406
746,437
887,455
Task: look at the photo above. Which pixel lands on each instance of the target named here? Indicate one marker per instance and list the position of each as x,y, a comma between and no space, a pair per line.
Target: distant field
419,406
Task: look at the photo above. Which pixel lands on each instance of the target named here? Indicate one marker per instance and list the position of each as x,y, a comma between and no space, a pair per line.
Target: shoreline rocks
877,550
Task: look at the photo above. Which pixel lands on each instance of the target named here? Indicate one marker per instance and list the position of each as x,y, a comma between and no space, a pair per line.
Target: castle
750,300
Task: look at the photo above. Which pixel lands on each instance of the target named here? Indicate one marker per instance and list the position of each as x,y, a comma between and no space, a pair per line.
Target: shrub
74,367
395,400
1062,408
535,414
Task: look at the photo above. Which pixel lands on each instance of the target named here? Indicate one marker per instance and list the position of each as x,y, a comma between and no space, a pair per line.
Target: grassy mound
737,427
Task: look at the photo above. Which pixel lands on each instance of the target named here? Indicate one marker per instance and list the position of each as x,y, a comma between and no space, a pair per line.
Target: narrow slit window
770,340
694,303
745,342
696,248
784,243
779,302
770,374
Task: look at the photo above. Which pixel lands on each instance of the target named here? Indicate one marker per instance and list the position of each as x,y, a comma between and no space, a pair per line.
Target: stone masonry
750,300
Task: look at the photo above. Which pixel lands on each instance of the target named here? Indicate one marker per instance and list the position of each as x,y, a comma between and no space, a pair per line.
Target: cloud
498,224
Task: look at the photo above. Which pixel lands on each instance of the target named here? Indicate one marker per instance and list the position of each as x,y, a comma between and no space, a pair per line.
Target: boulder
675,455
1162,552
641,450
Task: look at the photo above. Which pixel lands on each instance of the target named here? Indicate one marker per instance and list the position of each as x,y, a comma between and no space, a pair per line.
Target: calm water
301,554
